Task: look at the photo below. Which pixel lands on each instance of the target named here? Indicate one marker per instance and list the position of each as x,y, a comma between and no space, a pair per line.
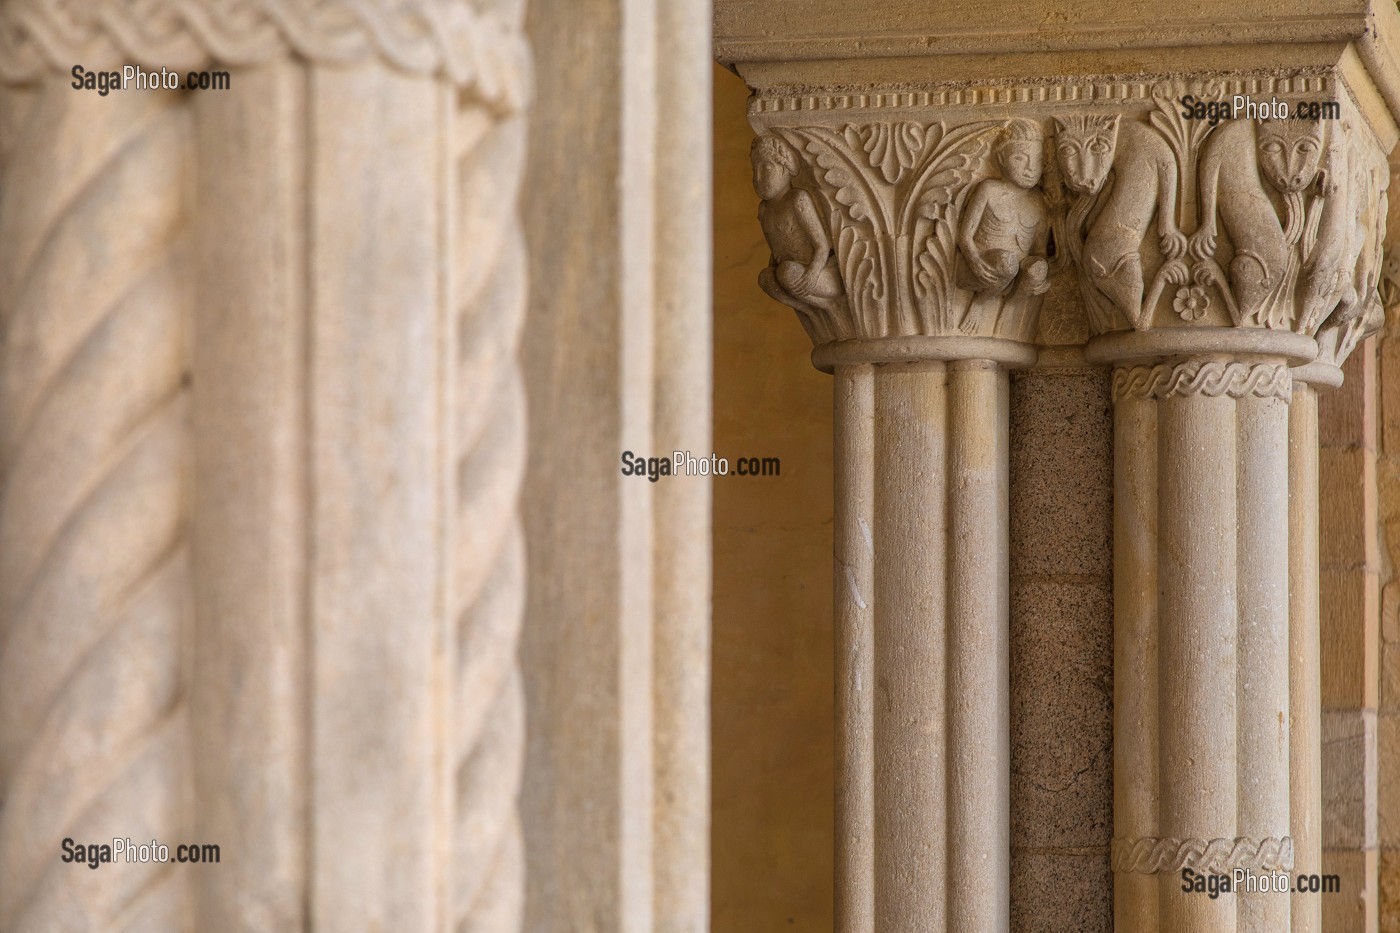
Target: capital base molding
1009,353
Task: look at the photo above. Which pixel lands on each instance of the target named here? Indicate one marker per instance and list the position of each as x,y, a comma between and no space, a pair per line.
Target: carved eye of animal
1099,146
1272,146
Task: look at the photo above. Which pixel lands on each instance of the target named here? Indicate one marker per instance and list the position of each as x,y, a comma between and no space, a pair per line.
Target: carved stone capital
949,211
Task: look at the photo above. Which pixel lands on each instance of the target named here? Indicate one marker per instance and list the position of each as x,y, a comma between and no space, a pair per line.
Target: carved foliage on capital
1176,219
905,228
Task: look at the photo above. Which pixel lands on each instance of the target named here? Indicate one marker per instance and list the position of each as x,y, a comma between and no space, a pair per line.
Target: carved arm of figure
971,222
806,284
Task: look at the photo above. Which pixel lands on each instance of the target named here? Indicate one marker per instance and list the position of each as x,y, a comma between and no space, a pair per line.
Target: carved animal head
1021,153
1084,148
774,165
1290,152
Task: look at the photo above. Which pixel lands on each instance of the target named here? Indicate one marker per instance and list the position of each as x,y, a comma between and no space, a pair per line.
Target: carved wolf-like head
1290,152
1084,148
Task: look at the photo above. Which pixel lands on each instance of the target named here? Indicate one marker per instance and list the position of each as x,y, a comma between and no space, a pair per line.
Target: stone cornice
749,32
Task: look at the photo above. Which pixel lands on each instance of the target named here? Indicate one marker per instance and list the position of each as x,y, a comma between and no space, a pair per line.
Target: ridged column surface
94,578
1305,650
489,563
922,647
1202,601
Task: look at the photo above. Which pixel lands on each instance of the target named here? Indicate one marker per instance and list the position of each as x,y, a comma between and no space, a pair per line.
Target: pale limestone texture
263,378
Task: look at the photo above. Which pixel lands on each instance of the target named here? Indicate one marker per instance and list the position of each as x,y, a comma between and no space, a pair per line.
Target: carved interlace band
429,37
1151,856
1209,378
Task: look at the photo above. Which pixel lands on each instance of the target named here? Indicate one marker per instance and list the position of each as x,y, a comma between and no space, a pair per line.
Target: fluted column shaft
1213,795
922,708
1304,639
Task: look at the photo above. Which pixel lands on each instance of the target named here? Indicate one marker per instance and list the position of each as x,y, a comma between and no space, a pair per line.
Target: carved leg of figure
1122,284
768,281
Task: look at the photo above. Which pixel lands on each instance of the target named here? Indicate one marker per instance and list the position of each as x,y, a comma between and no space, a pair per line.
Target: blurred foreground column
616,207
262,575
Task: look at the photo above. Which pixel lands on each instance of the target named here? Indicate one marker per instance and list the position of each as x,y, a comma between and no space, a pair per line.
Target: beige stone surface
773,783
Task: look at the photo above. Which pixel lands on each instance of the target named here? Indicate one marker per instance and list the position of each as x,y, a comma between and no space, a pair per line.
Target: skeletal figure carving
1005,228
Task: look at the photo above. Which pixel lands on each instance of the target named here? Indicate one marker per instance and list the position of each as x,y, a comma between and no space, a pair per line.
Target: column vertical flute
1202,656
921,353
1304,633
922,646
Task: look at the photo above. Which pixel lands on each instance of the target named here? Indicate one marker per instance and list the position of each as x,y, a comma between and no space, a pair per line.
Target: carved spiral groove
1151,856
489,866
419,36
94,575
1209,378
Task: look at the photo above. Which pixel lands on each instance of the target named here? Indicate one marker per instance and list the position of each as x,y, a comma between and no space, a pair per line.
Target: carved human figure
1236,161
1130,172
1005,227
801,272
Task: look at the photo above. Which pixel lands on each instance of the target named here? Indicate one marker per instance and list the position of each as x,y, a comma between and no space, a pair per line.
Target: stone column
1217,707
1348,907
1202,657
918,323
1206,259
262,576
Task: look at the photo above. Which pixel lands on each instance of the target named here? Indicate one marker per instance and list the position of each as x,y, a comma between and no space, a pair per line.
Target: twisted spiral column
488,871
94,579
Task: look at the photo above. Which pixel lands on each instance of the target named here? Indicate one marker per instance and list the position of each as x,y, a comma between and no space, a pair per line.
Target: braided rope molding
1208,378
474,50
1151,855
490,298
94,462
